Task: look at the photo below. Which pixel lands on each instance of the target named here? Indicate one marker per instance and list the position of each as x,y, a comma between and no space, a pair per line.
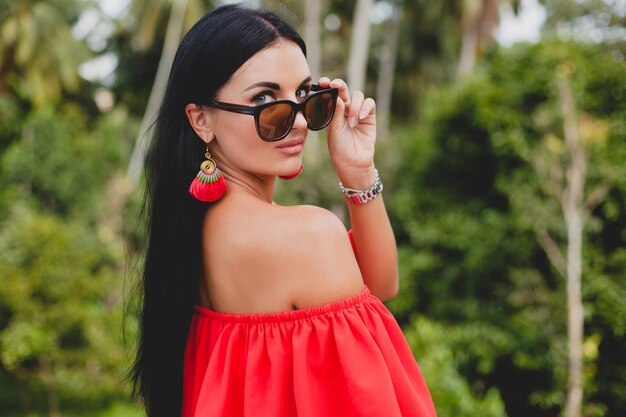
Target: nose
300,121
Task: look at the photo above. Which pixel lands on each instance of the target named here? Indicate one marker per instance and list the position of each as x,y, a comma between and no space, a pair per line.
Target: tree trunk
572,203
47,375
575,320
313,39
359,46
313,36
170,45
22,385
469,37
478,23
386,72
469,46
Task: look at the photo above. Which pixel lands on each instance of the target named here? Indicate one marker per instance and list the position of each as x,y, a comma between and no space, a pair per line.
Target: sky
526,26
113,7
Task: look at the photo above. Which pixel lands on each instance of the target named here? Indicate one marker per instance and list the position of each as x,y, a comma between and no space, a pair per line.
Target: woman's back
265,258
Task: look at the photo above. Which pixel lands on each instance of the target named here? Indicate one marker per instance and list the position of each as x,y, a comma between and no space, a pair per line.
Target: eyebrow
273,86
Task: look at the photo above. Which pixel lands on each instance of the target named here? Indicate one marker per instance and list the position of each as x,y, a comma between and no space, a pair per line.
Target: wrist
362,196
358,178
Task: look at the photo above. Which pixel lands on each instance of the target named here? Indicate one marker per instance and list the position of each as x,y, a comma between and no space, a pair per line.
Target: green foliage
427,51
138,43
474,190
39,55
58,163
60,298
61,261
436,347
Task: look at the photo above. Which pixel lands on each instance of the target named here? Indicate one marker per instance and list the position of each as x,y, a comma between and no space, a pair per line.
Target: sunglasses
274,120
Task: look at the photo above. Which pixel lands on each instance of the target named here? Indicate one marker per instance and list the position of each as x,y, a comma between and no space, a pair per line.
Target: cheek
240,141
233,124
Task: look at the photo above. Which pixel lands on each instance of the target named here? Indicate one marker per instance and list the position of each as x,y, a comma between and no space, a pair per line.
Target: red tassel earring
209,185
292,176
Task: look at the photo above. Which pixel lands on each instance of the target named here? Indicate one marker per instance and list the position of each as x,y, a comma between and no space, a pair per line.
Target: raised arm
375,247
351,142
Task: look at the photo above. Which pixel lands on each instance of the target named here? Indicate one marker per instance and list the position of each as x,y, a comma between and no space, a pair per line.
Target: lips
291,146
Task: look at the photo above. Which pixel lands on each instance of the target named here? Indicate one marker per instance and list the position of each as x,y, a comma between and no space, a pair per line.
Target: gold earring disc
208,167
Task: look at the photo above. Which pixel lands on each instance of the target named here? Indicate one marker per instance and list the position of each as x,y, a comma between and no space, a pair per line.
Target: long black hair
213,49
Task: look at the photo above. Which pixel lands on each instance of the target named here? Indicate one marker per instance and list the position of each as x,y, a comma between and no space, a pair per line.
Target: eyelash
270,93
306,88
256,98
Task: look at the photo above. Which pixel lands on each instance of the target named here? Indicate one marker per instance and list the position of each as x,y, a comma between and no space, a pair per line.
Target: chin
293,172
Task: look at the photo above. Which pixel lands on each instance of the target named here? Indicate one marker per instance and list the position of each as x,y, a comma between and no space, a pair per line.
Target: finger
344,93
355,107
368,108
324,82
338,118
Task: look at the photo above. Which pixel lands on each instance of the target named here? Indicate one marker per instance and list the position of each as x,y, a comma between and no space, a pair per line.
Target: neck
260,187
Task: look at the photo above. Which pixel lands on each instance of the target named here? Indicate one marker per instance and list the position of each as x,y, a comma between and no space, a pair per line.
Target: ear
200,121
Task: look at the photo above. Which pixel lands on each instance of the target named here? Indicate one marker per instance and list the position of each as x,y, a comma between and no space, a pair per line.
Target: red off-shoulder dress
347,358
343,359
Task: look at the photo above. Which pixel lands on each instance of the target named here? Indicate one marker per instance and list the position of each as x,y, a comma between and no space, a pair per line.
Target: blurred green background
502,138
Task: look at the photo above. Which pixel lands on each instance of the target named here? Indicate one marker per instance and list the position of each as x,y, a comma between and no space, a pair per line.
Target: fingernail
352,121
362,115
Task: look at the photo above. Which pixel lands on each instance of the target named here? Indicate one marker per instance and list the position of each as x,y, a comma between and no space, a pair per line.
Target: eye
303,92
262,98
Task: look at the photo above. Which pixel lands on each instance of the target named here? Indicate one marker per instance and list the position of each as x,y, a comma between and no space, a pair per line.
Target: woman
251,308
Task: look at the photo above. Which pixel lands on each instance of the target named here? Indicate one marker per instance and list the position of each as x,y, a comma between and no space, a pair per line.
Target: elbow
390,292
390,289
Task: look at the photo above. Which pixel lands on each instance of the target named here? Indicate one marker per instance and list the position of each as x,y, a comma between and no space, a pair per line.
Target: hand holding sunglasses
352,136
274,120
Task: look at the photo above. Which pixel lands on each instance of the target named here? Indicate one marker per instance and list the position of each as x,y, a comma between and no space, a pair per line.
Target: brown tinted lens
319,110
275,120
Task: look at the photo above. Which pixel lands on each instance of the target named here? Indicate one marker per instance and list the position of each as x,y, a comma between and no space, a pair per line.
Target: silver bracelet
363,196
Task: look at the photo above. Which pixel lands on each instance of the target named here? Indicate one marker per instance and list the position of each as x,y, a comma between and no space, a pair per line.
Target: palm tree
313,36
359,45
181,13
479,21
313,39
387,67
39,57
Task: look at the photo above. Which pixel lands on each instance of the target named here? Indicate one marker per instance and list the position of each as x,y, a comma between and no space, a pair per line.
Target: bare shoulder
276,258
313,222
320,263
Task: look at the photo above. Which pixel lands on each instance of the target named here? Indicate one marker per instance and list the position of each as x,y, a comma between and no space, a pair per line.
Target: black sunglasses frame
295,108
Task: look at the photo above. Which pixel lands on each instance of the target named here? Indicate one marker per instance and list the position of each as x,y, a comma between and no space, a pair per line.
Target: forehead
282,63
